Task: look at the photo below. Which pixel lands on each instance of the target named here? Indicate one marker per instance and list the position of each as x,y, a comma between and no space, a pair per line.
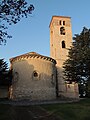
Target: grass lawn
71,111
4,112
66,111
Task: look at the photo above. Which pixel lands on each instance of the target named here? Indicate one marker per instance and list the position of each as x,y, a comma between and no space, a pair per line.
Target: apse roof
32,55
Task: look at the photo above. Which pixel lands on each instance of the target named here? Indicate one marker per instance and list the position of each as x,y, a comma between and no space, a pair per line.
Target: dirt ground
30,113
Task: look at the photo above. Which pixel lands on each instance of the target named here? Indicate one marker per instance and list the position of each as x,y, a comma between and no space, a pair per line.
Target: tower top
58,17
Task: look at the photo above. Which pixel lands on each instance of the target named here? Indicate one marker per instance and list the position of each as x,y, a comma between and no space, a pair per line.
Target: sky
32,34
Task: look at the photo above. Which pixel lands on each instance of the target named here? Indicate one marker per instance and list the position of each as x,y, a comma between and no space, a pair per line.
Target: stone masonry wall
40,85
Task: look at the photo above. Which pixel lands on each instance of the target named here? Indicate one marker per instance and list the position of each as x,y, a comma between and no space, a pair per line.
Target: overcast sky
32,33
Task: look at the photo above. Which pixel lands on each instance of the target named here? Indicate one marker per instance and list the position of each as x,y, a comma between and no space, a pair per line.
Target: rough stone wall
34,86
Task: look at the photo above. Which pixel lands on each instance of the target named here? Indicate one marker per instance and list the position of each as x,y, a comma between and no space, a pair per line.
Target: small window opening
16,76
63,22
60,22
63,44
35,74
62,31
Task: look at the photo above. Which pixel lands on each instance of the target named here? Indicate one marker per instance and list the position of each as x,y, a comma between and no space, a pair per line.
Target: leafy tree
11,12
77,66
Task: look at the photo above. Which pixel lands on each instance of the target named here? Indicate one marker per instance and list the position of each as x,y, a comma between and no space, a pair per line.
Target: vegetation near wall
77,66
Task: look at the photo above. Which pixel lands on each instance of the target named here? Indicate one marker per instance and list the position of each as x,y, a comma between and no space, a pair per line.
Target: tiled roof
32,55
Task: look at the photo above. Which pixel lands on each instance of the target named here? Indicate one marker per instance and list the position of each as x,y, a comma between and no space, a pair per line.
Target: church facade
39,77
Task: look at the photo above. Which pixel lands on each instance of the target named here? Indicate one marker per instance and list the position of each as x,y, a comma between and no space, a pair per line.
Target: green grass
66,111
4,110
71,111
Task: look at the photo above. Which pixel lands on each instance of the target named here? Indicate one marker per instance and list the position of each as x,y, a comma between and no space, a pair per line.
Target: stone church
39,77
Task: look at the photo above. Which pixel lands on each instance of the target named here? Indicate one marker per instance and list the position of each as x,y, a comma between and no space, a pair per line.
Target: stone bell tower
60,41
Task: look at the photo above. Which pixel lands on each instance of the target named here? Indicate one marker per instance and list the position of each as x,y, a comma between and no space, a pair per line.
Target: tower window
62,31
60,22
63,22
63,44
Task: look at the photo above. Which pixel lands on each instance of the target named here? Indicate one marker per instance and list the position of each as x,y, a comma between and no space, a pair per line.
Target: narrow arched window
62,31
60,22
63,22
63,44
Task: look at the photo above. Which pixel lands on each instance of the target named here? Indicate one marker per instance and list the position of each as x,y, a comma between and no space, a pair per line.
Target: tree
3,72
11,12
77,66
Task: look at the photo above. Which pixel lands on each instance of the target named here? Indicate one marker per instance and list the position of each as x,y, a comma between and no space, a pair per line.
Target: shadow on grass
63,111
71,111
